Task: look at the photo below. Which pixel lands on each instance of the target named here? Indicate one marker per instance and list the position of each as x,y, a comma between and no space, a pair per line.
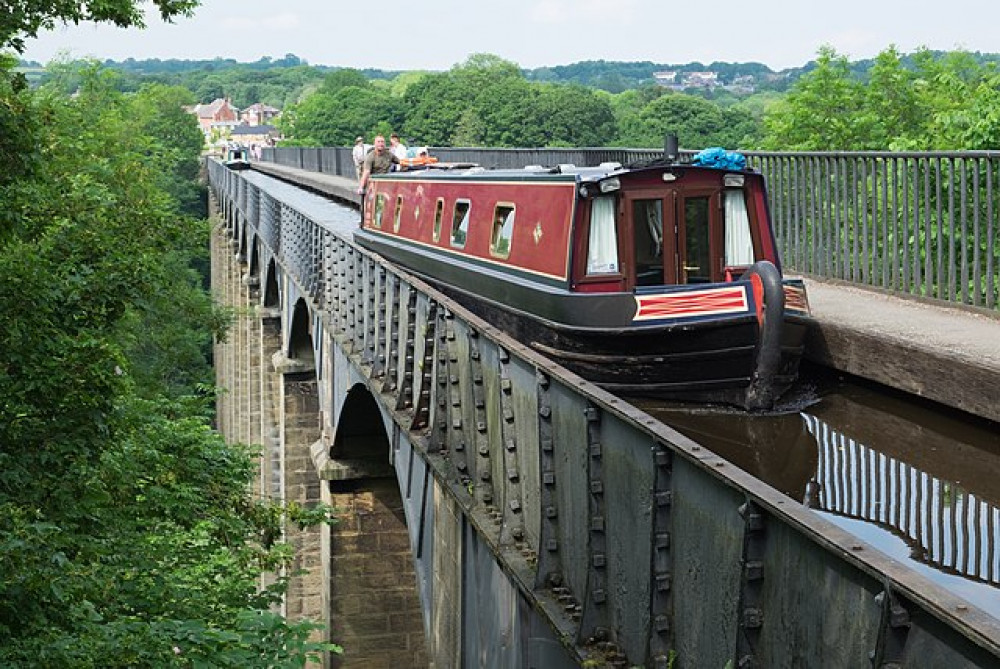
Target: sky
438,34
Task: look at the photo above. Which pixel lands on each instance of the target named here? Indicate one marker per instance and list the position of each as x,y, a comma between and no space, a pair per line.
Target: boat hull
706,351
709,361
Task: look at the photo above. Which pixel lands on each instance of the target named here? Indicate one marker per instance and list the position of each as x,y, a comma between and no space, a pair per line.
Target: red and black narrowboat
656,280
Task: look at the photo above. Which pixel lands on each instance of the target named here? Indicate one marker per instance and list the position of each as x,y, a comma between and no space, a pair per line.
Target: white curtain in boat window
602,256
654,221
739,244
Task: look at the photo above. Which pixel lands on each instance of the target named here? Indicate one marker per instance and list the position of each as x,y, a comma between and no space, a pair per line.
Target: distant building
218,117
678,81
248,135
666,78
219,110
259,114
701,80
744,83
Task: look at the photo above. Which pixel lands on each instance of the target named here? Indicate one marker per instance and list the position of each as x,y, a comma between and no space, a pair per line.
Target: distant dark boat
658,280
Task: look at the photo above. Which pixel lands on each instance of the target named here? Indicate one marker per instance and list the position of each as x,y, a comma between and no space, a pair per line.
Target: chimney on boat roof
671,148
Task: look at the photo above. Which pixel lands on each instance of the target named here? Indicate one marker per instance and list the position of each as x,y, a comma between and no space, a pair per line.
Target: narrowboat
237,158
659,279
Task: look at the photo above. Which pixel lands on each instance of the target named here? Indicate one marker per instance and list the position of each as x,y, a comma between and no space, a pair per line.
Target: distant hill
615,76
611,76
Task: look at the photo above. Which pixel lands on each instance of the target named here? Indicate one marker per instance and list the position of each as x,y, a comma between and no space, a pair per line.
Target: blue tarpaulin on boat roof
720,158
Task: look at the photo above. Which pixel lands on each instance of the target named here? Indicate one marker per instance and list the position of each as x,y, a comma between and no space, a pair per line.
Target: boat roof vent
567,167
613,165
535,168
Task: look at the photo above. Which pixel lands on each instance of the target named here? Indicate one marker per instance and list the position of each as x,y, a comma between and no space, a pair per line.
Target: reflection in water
919,484
944,525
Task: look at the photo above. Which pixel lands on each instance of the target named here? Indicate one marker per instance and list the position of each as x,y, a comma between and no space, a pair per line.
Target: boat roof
562,172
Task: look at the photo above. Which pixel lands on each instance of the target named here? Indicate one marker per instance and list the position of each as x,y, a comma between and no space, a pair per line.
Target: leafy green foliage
697,122
23,19
927,102
484,101
818,113
335,119
127,534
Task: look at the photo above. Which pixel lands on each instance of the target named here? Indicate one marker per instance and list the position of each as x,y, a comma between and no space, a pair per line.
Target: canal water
919,482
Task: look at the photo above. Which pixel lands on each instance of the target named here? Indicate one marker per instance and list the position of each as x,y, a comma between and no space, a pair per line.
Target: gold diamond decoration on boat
537,234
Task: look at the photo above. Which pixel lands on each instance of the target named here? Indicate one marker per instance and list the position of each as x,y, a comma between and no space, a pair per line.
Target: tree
339,79
325,119
697,123
21,20
434,106
819,112
127,533
891,108
574,116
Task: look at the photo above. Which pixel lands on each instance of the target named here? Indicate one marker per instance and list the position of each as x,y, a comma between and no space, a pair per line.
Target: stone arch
300,341
272,293
241,250
371,564
361,434
254,267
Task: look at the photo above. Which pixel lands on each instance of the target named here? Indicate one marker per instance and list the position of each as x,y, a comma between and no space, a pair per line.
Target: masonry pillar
300,428
375,605
271,483
220,351
254,363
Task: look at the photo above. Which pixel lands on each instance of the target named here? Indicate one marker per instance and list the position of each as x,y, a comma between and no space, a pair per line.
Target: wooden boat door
676,236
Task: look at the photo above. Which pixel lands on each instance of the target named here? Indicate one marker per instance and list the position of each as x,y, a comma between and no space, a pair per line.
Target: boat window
697,259
647,232
398,213
602,253
438,215
739,243
460,224
379,209
503,230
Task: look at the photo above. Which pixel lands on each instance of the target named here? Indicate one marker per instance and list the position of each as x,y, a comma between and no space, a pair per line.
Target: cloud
286,21
592,12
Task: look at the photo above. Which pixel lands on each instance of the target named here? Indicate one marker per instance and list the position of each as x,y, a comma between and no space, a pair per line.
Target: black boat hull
714,359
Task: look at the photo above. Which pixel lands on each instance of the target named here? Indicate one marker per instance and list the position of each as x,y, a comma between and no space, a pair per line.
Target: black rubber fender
761,393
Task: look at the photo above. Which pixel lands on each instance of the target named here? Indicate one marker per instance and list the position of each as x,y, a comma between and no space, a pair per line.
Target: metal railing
920,224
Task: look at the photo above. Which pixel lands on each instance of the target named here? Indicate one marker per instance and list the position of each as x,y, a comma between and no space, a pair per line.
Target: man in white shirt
358,154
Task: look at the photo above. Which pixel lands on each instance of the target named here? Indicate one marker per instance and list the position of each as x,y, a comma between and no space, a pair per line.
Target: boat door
676,236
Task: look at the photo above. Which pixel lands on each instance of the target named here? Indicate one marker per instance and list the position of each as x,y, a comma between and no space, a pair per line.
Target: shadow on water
917,481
